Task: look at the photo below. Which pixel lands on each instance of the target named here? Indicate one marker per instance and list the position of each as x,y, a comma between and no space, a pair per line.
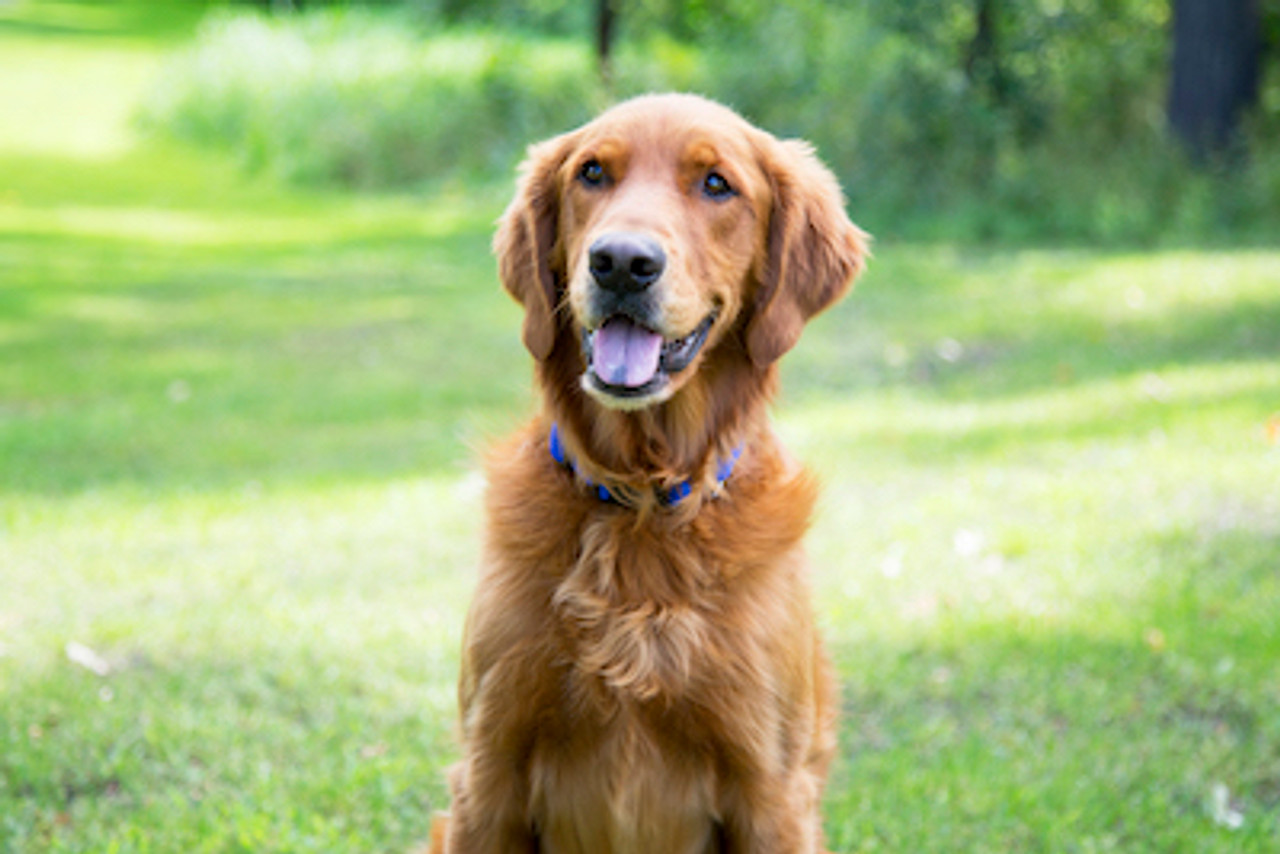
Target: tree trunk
1217,48
983,64
605,18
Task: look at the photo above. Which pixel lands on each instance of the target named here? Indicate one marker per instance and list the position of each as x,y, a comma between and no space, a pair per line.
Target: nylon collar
667,497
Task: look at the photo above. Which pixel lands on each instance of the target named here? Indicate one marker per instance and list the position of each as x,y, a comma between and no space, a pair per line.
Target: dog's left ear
526,241
814,251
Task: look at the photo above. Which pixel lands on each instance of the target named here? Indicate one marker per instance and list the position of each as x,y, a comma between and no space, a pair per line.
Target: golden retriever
640,671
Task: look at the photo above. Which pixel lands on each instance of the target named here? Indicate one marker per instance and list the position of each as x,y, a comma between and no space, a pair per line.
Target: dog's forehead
673,129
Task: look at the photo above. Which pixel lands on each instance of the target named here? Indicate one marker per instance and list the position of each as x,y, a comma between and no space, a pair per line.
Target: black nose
625,262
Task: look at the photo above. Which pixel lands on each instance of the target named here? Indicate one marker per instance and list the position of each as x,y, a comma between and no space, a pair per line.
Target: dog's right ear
814,251
526,241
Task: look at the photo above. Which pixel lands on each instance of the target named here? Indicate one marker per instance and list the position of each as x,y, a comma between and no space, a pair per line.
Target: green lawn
238,433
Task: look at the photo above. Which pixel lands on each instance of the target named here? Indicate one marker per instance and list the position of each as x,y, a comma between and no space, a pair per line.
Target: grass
238,425
1056,622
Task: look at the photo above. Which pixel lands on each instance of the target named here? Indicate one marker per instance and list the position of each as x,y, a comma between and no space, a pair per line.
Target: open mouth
627,360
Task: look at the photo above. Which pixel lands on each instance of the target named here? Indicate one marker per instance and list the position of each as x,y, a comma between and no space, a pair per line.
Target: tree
1217,70
606,16
984,61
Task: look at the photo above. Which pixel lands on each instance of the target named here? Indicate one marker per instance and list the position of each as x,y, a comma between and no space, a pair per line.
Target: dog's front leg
501,690
774,815
488,815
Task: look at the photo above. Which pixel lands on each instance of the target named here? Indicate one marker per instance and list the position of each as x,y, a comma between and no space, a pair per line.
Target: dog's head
665,229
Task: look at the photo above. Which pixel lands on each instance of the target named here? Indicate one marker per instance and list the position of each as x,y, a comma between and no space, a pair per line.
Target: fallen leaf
1220,807
80,654
949,350
1155,387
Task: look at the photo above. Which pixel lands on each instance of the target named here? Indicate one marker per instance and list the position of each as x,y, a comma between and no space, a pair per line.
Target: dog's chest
622,791
639,621
625,763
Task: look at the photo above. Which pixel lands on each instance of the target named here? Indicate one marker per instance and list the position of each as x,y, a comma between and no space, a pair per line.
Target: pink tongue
625,354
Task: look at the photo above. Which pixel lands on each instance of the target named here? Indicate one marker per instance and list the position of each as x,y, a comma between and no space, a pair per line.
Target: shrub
1070,145
362,100
1053,143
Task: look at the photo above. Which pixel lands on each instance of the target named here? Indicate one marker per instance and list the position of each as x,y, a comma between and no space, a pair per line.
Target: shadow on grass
965,326
210,367
1069,352
1140,411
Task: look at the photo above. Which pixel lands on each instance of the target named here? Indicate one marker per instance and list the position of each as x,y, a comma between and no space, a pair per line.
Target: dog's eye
592,174
716,186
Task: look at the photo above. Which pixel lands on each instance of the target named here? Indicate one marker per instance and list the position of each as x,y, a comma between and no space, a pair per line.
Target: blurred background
252,348
1123,120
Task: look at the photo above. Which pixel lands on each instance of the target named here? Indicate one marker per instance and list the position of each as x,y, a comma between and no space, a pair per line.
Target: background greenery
240,411
1056,129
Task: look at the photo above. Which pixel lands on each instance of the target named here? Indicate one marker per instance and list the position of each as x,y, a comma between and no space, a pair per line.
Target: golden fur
640,678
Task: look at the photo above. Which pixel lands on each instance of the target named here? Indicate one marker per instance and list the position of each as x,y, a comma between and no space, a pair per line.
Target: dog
640,671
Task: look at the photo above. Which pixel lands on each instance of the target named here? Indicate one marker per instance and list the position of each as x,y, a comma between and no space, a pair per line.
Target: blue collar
667,498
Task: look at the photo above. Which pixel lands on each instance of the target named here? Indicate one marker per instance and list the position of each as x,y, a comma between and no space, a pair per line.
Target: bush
361,100
1048,141
1070,145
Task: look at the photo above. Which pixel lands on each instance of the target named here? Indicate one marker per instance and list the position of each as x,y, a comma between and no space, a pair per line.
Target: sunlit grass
32,118
238,434
73,73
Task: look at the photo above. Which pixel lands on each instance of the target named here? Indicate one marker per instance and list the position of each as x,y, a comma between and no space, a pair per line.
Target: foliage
1060,135
1054,129
359,99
